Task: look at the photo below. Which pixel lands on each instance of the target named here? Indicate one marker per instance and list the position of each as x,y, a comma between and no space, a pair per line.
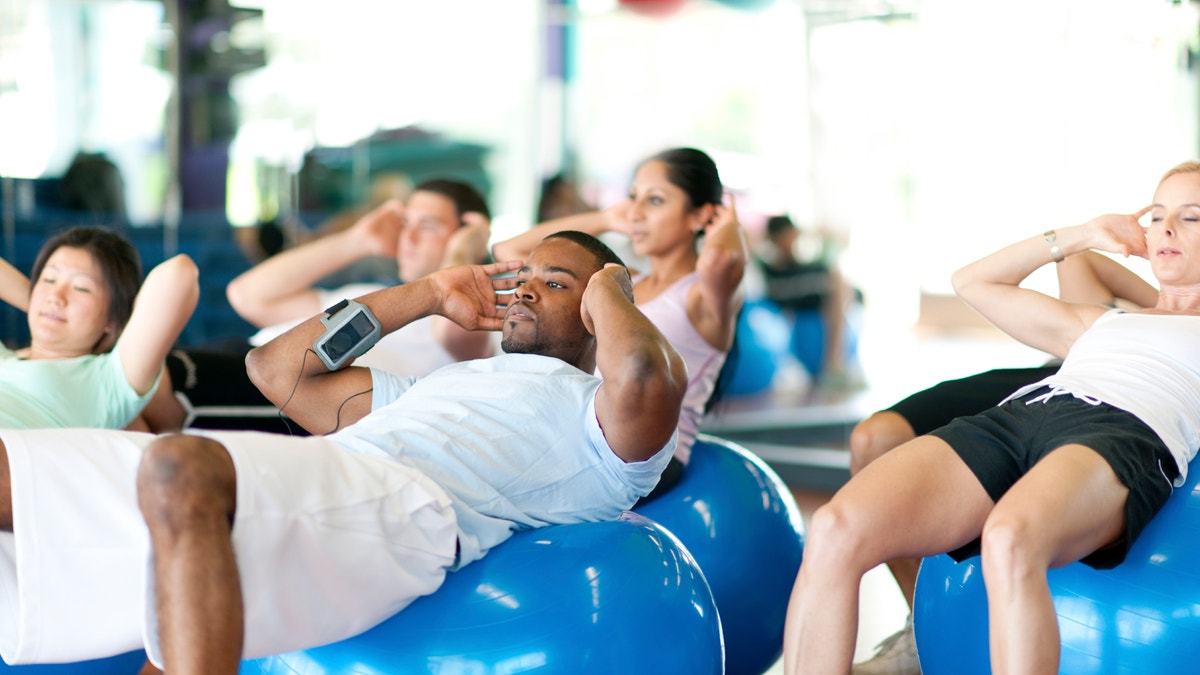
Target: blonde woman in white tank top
1068,469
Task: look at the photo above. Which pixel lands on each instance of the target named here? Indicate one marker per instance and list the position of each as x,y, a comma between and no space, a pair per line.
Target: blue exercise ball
121,664
1141,617
762,342
740,521
602,598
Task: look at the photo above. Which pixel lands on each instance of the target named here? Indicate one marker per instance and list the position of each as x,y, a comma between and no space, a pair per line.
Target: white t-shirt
513,439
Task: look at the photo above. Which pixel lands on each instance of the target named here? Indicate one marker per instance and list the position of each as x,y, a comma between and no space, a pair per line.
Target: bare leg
1020,543
870,439
187,494
917,500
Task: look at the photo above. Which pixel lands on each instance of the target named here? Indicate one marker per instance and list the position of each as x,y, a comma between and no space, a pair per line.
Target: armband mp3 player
350,330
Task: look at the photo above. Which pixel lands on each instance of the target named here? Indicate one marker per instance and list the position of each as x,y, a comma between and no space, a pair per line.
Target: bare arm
714,302
280,288
14,286
163,412
992,285
162,308
644,377
519,247
291,376
1093,278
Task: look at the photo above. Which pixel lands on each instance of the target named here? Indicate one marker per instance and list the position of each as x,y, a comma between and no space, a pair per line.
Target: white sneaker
896,655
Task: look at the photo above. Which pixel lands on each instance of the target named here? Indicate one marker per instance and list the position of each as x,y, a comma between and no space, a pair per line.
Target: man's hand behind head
379,229
610,279
469,296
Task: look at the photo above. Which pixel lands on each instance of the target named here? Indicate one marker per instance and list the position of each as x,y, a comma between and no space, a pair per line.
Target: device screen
348,336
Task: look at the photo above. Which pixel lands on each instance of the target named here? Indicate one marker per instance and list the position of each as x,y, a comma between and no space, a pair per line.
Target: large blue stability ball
743,526
588,598
762,342
1141,617
121,664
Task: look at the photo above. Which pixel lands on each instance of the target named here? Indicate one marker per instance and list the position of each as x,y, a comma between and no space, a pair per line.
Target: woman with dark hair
676,218
97,342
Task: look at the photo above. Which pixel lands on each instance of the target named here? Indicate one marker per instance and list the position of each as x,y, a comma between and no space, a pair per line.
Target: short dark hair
778,224
603,253
694,172
465,197
120,265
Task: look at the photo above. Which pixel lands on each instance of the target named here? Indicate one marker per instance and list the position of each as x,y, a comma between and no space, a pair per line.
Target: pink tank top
668,312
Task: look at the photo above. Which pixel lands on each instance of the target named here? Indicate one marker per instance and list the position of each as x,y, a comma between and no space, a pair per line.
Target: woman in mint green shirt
98,334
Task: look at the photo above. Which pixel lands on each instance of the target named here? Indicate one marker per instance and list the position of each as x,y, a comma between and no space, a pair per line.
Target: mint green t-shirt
84,391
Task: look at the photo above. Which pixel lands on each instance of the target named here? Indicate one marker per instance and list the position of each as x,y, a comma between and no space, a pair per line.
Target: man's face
544,315
429,220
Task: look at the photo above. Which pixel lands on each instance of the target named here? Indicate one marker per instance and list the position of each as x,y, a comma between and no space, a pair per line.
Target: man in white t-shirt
443,223
209,549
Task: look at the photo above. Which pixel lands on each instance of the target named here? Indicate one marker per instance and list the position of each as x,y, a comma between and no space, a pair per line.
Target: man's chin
510,345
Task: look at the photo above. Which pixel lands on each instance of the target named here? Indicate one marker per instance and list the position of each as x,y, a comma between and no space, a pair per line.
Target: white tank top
1145,364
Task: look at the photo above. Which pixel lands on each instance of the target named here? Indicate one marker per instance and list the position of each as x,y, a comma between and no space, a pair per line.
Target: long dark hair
694,172
119,262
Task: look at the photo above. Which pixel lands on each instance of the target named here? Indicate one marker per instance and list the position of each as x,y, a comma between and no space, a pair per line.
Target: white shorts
328,544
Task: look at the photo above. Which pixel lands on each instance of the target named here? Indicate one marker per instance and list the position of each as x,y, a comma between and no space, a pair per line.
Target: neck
672,266
1179,299
38,352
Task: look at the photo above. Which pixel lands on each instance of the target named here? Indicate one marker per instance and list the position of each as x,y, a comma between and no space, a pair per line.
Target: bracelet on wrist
1055,252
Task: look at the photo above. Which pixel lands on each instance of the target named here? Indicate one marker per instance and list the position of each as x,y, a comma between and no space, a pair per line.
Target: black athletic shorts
934,407
1001,444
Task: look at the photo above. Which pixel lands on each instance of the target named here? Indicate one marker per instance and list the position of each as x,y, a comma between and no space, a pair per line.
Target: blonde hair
1190,166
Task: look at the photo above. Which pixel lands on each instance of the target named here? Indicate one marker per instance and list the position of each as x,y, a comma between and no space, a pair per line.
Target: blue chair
602,598
1142,616
740,521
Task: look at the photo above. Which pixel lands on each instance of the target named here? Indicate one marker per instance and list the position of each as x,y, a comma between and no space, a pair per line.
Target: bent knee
1010,546
180,474
876,435
837,536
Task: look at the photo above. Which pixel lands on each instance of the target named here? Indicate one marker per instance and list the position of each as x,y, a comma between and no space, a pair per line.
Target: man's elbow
659,377
261,374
